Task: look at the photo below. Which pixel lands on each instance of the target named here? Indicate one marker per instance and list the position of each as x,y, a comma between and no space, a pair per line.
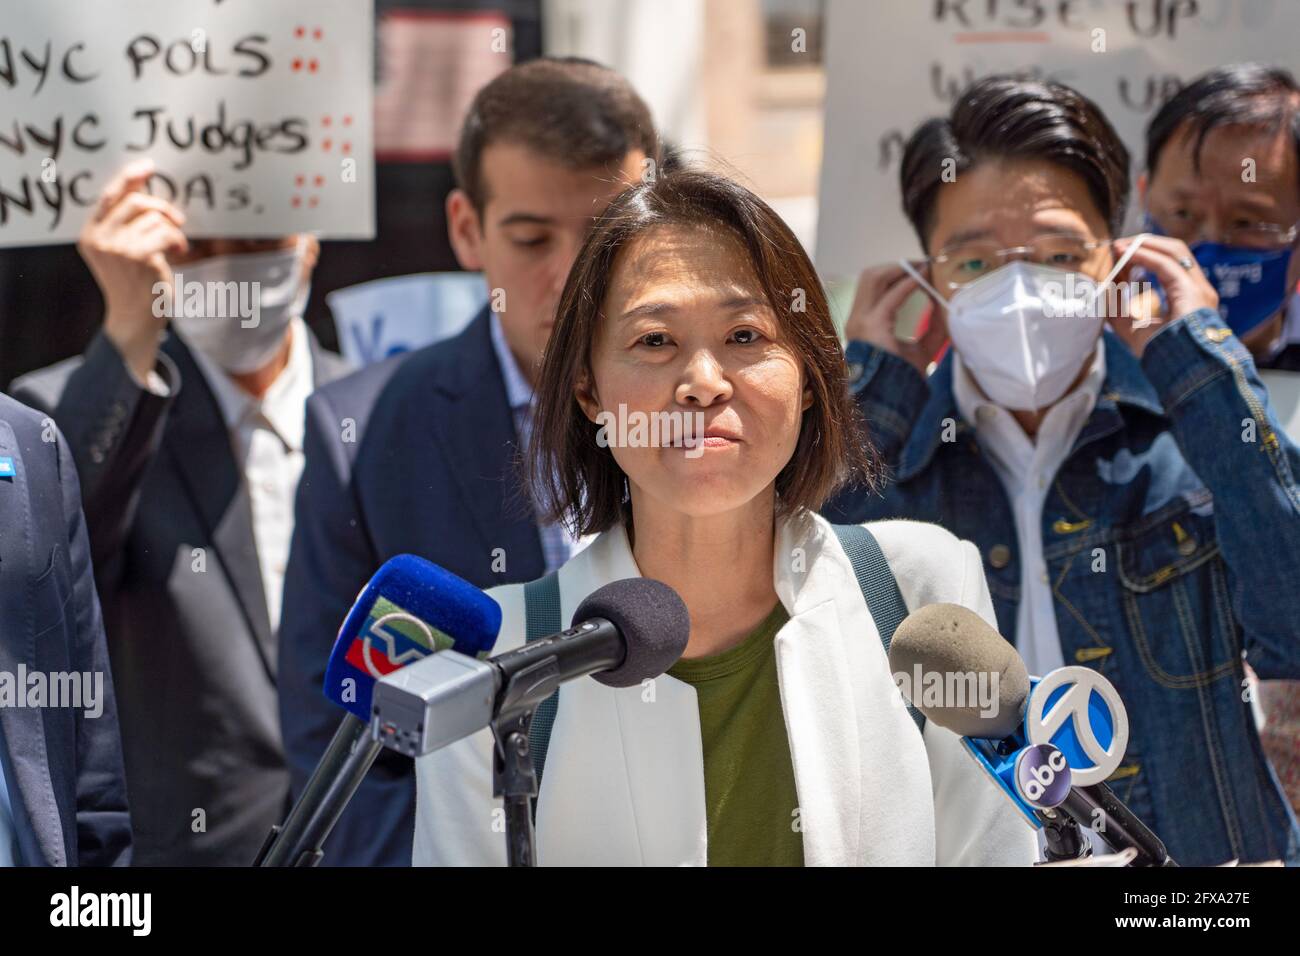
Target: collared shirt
266,436
1290,332
557,544
1026,468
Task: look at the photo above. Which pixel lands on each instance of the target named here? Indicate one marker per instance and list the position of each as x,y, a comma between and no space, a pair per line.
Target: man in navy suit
414,455
62,787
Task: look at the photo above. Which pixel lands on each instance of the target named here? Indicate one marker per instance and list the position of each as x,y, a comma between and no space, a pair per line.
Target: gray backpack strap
879,588
542,618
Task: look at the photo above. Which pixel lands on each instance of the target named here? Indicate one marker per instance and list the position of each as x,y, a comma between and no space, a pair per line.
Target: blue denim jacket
1172,540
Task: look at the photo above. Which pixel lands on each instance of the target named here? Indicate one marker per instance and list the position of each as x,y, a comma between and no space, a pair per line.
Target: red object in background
431,63
923,328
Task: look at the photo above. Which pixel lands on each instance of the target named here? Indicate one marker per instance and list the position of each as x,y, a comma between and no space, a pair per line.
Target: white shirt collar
1290,331
518,392
283,405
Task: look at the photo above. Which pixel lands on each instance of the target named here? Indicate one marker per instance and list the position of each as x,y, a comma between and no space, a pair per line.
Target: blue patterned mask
1251,283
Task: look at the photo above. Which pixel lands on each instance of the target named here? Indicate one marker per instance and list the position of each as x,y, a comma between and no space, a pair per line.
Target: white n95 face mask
236,309
1024,330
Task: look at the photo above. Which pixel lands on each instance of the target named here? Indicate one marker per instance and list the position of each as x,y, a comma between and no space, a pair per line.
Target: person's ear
465,231
807,399
585,394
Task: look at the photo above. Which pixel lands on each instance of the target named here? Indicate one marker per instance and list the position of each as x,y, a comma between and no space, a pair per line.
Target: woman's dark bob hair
576,481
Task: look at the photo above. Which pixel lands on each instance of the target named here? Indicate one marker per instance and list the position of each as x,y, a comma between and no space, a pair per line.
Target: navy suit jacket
191,643
413,455
63,767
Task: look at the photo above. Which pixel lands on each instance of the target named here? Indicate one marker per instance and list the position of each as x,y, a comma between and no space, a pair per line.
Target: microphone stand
513,776
332,784
1119,826
514,780
1064,839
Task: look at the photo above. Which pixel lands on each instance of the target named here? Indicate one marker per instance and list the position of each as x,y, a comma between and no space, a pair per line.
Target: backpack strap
879,588
542,618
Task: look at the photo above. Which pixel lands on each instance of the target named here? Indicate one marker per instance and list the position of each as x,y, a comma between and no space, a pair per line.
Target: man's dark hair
567,109
1015,118
1245,94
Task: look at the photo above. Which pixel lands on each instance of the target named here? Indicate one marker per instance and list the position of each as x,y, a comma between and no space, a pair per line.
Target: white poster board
386,317
1284,395
257,114
893,63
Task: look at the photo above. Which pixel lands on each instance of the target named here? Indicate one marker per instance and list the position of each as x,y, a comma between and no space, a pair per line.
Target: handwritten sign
257,115
386,317
893,64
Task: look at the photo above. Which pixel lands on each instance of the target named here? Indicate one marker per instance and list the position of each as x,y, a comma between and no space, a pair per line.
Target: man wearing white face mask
1129,486
185,417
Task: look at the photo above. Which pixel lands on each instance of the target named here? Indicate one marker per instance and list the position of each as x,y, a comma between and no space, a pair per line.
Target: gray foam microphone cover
652,618
948,639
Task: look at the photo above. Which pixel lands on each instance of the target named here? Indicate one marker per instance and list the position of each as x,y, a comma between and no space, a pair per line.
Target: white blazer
624,778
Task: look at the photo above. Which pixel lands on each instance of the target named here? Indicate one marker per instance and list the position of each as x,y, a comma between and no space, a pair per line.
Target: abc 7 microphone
1049,743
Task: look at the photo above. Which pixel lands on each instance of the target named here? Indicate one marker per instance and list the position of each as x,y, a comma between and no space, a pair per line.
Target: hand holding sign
125,243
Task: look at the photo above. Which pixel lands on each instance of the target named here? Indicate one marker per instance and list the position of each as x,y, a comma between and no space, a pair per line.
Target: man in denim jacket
1137,505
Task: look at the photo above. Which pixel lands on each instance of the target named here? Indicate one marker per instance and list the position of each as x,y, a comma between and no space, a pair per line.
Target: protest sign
257,115
894,63
386,317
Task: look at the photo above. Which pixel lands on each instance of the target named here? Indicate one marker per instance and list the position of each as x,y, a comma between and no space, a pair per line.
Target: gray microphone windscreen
654,623
959,672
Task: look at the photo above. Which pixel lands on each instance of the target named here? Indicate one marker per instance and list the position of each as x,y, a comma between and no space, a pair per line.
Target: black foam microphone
624,633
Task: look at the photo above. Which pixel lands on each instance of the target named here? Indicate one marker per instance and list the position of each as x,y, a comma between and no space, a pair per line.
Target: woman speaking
780,737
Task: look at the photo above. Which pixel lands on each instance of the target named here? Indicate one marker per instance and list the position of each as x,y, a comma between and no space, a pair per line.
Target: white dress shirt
266,437
1026,468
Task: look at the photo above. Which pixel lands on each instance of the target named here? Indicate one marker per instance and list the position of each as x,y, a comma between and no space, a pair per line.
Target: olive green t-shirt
749,789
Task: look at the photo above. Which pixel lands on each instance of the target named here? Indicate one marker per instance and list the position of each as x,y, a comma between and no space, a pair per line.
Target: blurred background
722,77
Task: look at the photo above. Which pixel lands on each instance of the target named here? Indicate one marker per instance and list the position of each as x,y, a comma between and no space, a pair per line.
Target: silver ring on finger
1187,263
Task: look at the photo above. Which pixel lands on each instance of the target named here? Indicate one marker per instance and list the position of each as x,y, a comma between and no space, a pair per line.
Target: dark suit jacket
189,635
63,766
412,455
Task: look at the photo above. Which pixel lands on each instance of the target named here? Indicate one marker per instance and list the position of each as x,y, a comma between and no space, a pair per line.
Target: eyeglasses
1262,235
966,262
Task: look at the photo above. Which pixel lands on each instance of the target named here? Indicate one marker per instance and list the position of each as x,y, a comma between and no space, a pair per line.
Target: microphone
1047,742
625,632
940,654
410,610
951,639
